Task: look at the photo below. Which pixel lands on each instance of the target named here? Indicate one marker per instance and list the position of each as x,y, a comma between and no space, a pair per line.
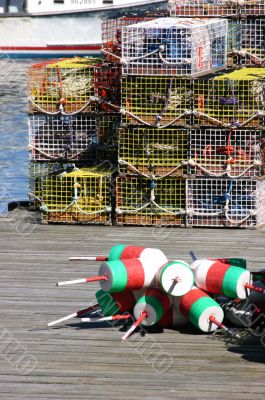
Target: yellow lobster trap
62,86
151,151
79,196
141,201
235,99
156,101
226,153
213,8
225,202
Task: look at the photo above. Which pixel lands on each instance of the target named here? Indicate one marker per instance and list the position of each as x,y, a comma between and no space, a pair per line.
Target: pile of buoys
142,284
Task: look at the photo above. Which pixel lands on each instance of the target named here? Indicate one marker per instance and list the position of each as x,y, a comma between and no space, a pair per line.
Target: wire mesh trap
156,101
63,137
108,133
214,8
174,46
80,196
220,152
225,202
107,87
64,85
141,201
149,150
235,99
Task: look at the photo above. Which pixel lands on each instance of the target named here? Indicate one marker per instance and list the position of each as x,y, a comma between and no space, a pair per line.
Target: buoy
258,296
132,273
173,317
149,309
115,303
198,307
120,252
77,314
219,278
175,278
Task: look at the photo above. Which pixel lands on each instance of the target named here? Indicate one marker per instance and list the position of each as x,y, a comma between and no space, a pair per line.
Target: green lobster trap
78,196
141,201
221,152
235,99
146,151
156,101
62,86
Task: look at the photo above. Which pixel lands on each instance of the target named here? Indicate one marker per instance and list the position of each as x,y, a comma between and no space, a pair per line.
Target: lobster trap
141,201
63,137
81,196
235,99
252,42
38,172
151,151
108,87
213,8
225,202
219,152
62,86
174,47
108,133
156,101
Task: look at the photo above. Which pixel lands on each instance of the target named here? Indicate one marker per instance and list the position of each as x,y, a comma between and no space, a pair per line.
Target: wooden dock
89,362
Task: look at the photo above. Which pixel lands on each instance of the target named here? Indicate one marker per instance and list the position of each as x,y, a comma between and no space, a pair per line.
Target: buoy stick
111,318
222,326
74,315
255,288
84,280
134,326
89,258
193,257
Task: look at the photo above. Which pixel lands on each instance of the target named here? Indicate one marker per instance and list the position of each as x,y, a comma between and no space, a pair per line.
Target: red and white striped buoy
201,309
175,278
115,303
132,273
216,277
173,317
149,309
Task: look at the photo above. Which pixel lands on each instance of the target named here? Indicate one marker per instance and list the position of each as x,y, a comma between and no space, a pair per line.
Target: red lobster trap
156,101
230,100
219,152
225,202
151,151
213,8
174,47
63,137
141,201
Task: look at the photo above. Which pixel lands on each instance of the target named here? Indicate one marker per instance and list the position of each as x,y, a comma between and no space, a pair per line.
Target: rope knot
118,211
161,47
192,163
123,111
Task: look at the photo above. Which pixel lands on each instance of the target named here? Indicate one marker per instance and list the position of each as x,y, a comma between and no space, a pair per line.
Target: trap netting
235,99
80,196
62,86
213,8
108,133
63,137
149,150
174,46
219,152
252,42
156,101
225,202
108,87
141,201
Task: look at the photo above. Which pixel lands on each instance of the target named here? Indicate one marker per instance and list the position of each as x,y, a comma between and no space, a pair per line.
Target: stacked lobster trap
68,129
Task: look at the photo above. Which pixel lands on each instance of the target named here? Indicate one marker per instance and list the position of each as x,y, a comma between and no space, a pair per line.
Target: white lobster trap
213,8
225,202
174,46
220,152
63,137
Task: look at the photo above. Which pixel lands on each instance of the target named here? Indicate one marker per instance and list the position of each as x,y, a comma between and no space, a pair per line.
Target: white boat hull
48,36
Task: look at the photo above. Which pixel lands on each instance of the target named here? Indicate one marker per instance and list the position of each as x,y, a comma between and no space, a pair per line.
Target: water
13,132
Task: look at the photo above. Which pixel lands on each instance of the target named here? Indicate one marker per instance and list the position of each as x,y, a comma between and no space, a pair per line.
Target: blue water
13,132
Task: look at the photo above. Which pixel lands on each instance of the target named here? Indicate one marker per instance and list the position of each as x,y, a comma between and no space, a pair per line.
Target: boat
60,28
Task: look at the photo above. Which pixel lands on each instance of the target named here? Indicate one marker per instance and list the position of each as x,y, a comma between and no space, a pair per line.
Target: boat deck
89,361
